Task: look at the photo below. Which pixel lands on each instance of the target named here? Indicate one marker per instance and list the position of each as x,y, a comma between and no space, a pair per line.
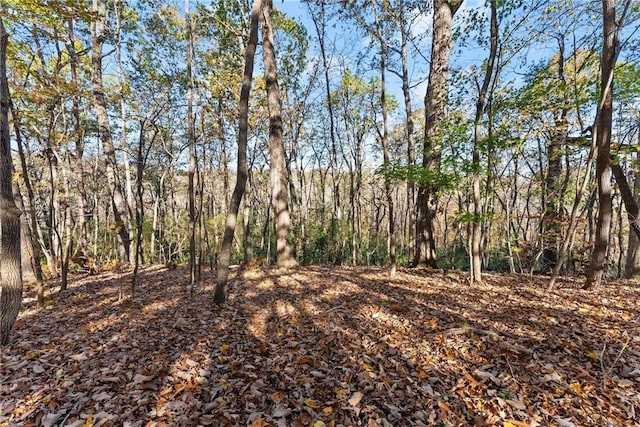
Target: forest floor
325,346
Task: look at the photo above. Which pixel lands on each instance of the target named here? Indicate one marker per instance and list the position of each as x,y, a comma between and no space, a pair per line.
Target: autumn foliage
325,346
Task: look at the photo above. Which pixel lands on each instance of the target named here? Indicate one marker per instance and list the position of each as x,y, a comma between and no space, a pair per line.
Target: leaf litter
325,346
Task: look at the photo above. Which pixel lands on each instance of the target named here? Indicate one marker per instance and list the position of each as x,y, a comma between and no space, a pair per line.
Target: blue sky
347,40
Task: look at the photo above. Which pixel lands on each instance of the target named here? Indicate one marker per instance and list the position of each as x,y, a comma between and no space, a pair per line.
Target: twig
615,361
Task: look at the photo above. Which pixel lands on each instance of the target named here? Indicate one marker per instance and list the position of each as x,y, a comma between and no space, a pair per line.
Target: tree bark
435,114
553,185
81,245
100,105
192,155
598,263
10,259
632,263
242,169
278,173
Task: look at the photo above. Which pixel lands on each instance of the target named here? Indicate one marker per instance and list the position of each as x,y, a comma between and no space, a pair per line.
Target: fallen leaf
139,378
79,357
260,422
355,398
311,404
516,404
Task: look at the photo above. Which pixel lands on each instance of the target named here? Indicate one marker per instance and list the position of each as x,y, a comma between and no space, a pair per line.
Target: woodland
319,212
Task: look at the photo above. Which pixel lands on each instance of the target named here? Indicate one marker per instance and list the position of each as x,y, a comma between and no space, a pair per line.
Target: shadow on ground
325,346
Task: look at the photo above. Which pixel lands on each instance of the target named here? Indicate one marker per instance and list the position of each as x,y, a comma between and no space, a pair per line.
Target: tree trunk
81,244
553,185
30,219
435,114
411,155
279,179
384,139
476,226
632,264
192,155
100,105
29,262
598,263
11,276
242,170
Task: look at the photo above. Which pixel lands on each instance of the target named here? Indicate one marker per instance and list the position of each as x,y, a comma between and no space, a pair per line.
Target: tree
191,141
11,271
319,17
242,171
279,178
120,211
476,225
435,114
602,135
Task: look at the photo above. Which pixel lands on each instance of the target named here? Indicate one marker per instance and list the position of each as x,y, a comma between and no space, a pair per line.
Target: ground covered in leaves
325,346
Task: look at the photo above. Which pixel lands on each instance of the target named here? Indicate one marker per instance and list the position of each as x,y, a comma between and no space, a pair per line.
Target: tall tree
11,271
481,103
278,172
409,126
120,211
319,17
81,244
604,119
191,140
383,134
435,115
242,169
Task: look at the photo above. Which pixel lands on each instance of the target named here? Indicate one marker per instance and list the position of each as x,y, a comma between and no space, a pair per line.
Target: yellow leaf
319,424
367,367
327,411
594,356
422,375
576,388
311,404
224,347
294,320
88,422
